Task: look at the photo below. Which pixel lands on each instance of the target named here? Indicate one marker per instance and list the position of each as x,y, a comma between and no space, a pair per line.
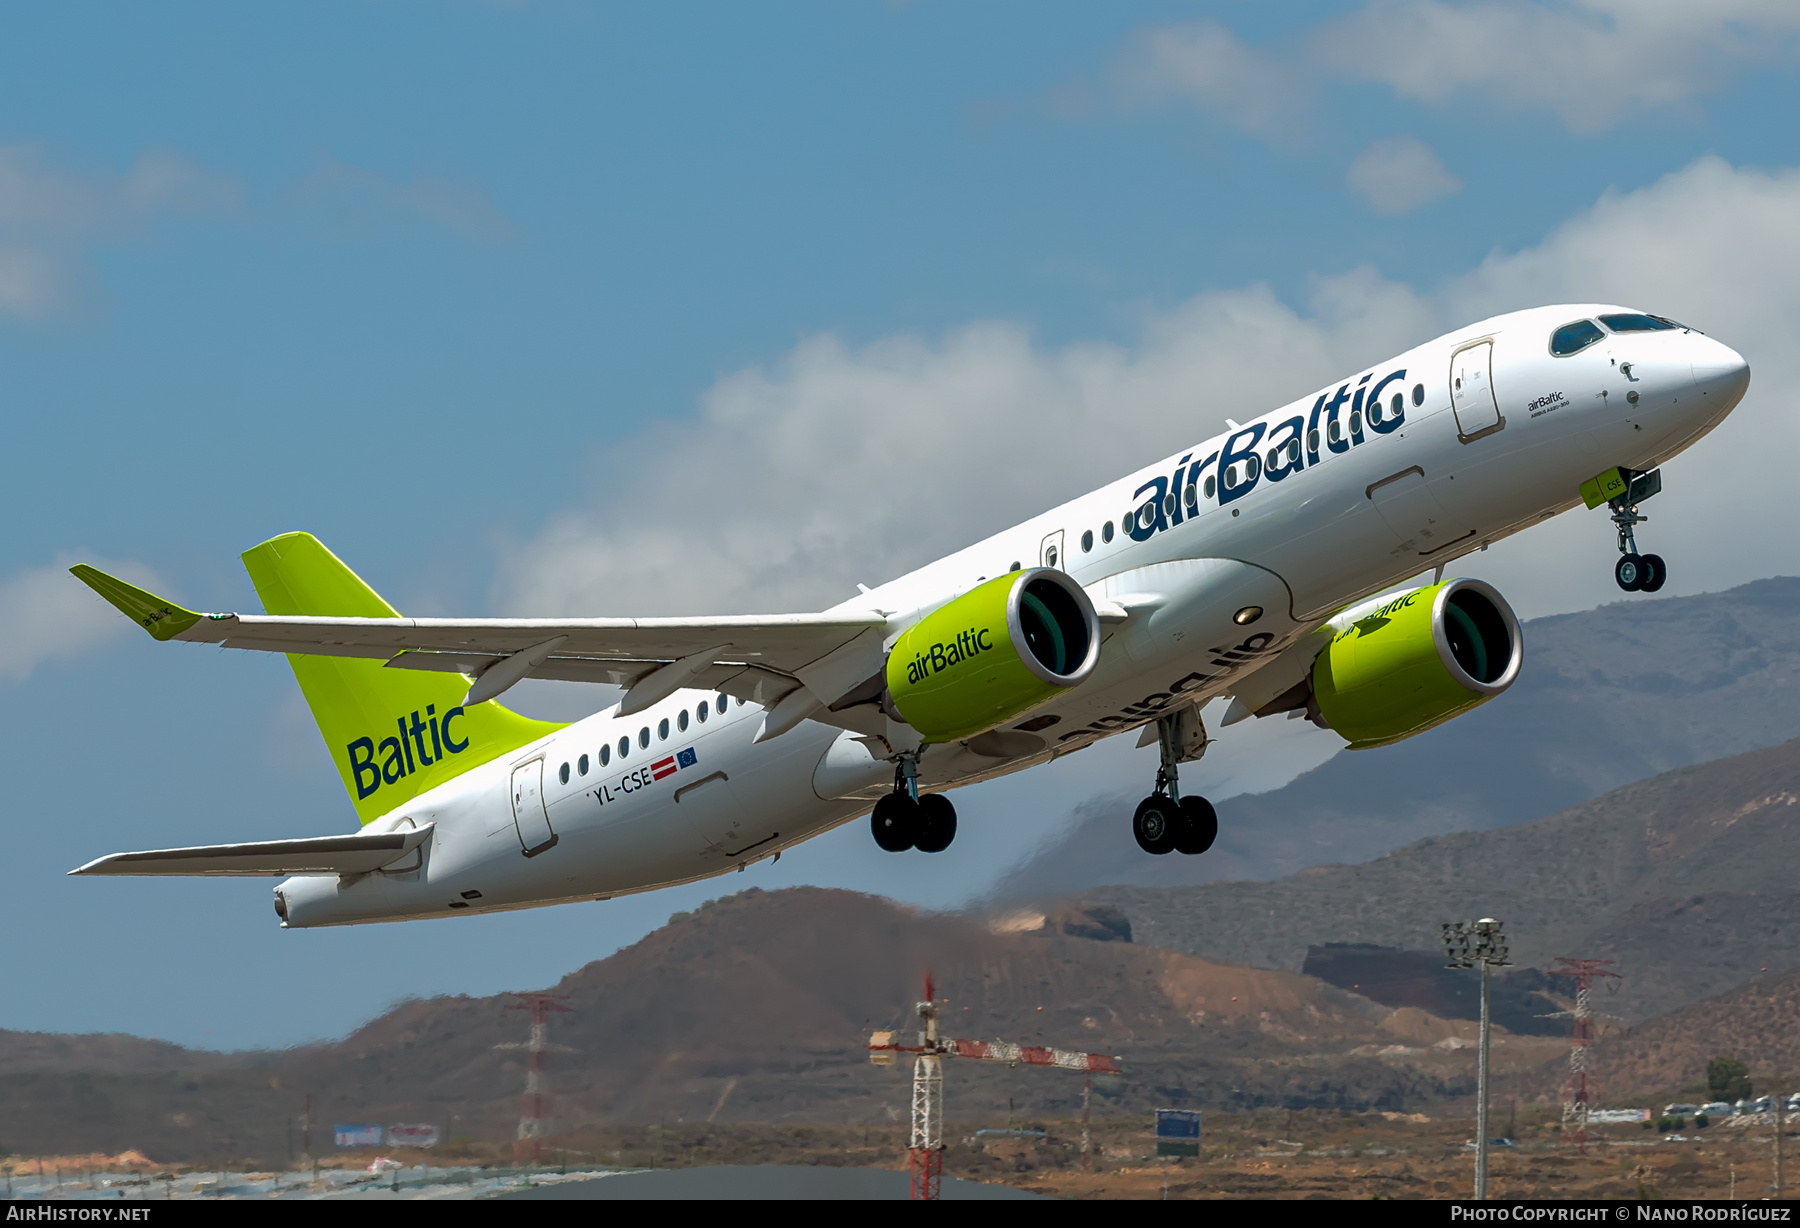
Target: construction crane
925,1158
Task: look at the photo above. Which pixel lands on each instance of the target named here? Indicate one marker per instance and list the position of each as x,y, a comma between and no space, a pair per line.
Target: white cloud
1591,62
843,463
1263,94
51,218
1399,174
48,613
353,201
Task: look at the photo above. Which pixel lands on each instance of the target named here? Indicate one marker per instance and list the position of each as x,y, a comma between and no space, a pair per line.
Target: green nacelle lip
968,666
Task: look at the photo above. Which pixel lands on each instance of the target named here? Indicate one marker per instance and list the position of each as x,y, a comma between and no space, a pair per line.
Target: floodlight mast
1467,944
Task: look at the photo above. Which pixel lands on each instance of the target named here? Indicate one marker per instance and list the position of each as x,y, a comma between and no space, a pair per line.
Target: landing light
1247,615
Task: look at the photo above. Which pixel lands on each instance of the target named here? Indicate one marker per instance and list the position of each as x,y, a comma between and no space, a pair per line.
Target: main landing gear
1636,573
903,820
1165,821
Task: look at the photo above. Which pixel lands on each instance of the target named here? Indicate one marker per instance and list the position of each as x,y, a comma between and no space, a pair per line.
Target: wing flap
358,854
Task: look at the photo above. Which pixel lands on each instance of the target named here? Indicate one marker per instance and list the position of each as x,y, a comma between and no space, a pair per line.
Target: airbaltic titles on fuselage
1272,450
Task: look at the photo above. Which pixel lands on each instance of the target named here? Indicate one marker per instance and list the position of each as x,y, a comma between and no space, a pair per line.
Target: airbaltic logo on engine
398,760
940,656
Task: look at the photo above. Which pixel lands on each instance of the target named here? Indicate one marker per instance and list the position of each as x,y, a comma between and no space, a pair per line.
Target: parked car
1717,1108
1680,1110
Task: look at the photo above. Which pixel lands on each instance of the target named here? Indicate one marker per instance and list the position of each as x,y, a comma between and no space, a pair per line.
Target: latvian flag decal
673,764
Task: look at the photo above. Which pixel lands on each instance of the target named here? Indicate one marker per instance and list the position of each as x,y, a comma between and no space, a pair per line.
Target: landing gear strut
1636,573
903,820
1165,821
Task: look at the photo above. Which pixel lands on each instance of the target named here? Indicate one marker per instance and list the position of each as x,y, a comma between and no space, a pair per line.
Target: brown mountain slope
99,1053
1607,696
756,1008
1665,1056
1690,880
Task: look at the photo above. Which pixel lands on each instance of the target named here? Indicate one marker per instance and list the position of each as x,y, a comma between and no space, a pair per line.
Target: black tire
1199,826
937,824
1155,824
1654,573
1629,572
895,823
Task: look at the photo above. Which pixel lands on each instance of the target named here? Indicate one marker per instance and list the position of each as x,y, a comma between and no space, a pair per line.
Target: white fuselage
1330,503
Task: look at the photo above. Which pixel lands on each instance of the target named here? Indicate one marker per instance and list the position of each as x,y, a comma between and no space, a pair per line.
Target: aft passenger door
529,815
1472,391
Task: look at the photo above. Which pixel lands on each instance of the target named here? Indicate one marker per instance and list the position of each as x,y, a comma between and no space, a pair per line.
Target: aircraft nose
1720,371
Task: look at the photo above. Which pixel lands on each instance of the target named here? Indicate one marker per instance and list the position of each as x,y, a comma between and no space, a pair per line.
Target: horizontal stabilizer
269,858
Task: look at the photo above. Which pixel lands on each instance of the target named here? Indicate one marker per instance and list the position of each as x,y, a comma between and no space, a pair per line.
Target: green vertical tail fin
392,733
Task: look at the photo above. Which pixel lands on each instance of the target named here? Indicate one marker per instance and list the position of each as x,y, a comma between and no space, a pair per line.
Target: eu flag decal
687,758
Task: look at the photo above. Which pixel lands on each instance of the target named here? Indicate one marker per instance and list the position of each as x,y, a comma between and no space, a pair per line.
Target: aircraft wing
760,658
357,854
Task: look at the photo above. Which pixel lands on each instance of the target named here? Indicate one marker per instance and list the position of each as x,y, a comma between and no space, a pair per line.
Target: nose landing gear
1165,821
1635,573
903,820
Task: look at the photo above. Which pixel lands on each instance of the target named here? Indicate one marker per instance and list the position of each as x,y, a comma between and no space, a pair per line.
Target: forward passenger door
1472,391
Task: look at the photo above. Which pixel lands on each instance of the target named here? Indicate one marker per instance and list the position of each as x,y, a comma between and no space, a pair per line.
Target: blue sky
639,309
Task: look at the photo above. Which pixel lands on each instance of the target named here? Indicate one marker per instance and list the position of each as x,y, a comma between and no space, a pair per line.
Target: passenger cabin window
1106,531
1632,322
1211,485
1574,338
644,737
581,765
662,730
605,755
624,747
562,773
1418,394
681,720
723,700
701,712
1087,541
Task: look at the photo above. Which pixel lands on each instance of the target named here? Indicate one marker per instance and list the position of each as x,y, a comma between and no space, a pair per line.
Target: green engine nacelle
1415,661
997,651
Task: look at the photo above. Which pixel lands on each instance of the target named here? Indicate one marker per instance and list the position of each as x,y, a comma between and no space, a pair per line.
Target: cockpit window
1573,338
1635,323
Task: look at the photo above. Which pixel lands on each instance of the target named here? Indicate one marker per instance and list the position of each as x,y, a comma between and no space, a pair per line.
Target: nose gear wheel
1634,572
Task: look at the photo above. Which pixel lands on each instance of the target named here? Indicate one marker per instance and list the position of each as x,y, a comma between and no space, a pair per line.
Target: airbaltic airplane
1241,566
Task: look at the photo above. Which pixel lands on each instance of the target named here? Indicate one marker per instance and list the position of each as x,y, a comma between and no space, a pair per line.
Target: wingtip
162,618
